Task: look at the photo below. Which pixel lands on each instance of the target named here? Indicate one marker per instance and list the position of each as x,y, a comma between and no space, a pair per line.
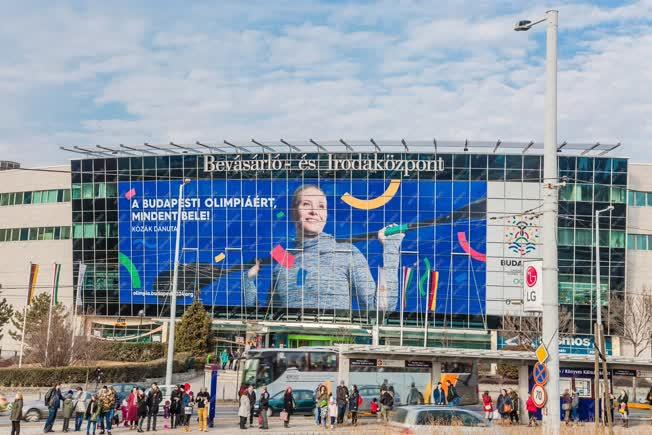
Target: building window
639,199
34,233
35,197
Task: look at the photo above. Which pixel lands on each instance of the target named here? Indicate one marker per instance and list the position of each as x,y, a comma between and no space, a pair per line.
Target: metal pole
598,289
22,339
596,376
605,394
173,298
551,419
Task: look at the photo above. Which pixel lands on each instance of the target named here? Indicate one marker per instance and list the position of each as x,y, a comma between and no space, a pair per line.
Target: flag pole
47,339
402,302
425,323
22,338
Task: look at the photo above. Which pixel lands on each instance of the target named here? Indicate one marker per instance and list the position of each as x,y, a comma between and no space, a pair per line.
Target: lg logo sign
532,286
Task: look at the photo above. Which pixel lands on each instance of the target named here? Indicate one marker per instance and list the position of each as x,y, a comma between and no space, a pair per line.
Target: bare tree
524,332
631,317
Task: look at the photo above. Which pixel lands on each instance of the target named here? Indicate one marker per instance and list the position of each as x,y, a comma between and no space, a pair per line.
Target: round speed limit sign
539,396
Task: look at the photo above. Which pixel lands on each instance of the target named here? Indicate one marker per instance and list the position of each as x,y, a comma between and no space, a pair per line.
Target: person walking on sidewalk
332,411
141,403
203,402
322,402
252,403
452,397
487,406
154,398
531,411
288,405
16,414
107,399
623,407
415,397
264,407
439,395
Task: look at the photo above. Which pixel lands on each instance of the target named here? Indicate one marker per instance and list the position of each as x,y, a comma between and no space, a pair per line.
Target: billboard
280,239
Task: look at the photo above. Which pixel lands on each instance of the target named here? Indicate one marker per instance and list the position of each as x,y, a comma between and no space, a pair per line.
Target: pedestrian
623,407
92,414
373,407
264,407
107,400
252,403
355,400
332,411
288,406
649,401
566,406
244,409
16,414
80,408
175,407
132,409
505,406
322,402
317,407
575,404
386,404
141,404
231,358
415,397
531,411
342,396
452,397
203,402
53,399
487,406
124,410
513,416
154,398
439,395
187,402
99,377
67,410
224,358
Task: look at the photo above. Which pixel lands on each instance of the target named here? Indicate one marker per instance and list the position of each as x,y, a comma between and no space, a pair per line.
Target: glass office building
462,224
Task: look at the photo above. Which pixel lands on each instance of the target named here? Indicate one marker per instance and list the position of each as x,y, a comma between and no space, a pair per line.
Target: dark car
304,402
122,391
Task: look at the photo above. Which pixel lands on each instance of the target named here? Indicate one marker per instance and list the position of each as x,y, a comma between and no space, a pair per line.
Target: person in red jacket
488,406
531,411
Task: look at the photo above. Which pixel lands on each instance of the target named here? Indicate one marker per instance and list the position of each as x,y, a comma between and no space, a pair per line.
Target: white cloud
385,69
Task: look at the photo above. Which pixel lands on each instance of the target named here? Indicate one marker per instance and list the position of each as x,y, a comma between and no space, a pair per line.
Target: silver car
416,418
370,392
35,410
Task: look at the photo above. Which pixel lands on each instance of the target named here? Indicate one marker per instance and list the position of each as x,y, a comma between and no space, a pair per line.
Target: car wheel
33,415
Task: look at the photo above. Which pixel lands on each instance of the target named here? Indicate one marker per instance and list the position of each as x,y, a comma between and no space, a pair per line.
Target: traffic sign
542,353
540,374
539,396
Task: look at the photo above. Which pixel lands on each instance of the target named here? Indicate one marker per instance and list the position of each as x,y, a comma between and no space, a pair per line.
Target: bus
305,368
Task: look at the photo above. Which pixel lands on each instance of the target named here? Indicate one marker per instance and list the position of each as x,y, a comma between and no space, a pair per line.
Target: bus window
286,360
323,362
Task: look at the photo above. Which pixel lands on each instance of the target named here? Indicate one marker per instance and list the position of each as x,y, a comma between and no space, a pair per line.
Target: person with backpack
386,404
16,414
531,411
513,416
92,414
342,397
154,398
487,406
452,397
67,409
264,406
415,397
355,400
506,407
53,399
322,403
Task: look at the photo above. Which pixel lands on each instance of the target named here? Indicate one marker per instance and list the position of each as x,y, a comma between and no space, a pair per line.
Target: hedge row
129,352
135,372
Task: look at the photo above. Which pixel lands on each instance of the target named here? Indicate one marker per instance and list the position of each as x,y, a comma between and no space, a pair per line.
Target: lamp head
186,180
611,207
523,25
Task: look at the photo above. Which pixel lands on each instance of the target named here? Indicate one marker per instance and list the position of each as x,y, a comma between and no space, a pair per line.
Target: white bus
306,367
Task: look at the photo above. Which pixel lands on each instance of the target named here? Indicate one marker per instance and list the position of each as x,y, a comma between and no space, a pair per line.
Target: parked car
35,410
304,401
368,393
410,418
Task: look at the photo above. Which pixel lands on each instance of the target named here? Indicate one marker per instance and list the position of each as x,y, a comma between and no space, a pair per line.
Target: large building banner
361,236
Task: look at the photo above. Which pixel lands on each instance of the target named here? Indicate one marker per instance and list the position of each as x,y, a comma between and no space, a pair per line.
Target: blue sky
86,73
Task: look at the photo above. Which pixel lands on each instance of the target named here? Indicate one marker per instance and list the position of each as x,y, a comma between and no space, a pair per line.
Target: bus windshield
258,370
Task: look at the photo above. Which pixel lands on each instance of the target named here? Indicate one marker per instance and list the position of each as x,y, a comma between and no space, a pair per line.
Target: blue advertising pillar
213,393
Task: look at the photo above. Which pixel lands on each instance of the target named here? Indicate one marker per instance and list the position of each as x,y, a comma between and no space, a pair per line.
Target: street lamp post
173,297
551,419
141,314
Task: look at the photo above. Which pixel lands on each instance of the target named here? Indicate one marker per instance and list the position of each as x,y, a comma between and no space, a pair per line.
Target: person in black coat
154,398
288,405
142,409
176,408
252,401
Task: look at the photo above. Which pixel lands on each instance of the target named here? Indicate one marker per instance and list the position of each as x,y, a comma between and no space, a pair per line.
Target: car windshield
399,415
434,417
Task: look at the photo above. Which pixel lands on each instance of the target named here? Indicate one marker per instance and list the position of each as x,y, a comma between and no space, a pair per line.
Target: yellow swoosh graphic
370,204
219,257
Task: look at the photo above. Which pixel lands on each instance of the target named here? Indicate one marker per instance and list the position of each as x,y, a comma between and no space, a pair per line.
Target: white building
35,222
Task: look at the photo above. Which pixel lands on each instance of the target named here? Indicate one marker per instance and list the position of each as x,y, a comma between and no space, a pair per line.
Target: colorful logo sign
531,276
521,235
